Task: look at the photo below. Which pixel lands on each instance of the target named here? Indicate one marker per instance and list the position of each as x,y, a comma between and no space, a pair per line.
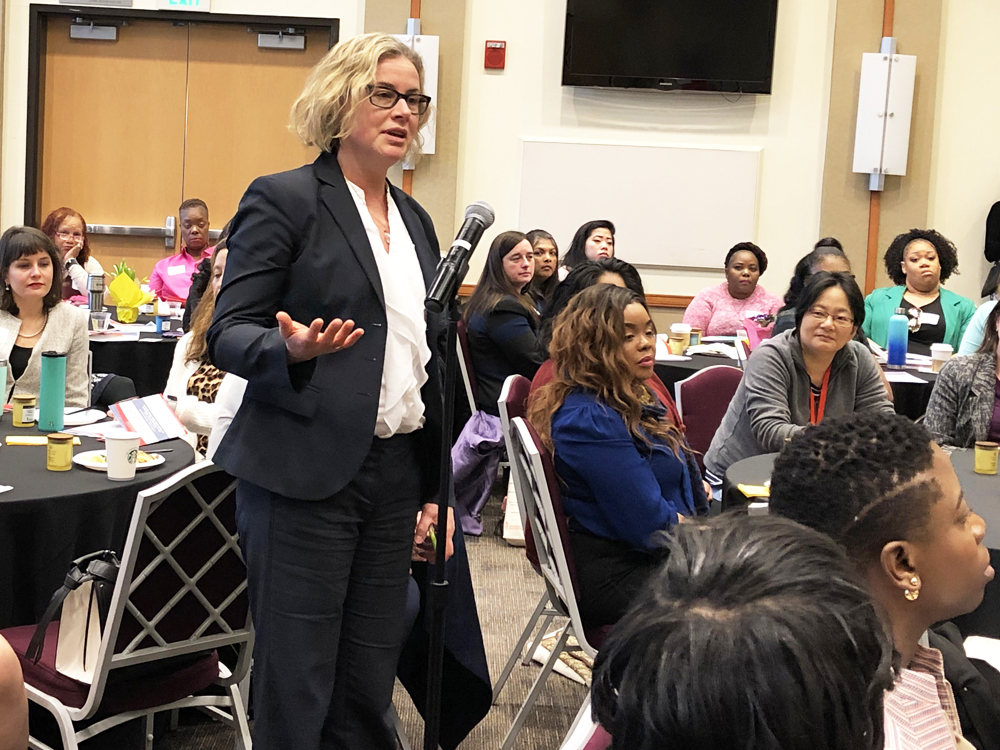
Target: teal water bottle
52,392
898,339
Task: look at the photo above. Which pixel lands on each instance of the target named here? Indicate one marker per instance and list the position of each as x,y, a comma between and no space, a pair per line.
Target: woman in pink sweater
720,310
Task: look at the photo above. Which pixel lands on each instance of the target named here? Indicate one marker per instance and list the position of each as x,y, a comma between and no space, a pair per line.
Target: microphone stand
437,594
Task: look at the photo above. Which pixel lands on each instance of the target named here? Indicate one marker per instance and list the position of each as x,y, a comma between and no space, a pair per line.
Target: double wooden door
171,110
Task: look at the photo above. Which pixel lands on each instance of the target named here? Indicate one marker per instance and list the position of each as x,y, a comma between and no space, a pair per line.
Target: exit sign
198,5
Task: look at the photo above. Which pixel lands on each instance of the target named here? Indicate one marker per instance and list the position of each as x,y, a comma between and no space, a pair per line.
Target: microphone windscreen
480,210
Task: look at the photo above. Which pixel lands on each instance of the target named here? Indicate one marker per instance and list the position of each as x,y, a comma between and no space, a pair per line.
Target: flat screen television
698,45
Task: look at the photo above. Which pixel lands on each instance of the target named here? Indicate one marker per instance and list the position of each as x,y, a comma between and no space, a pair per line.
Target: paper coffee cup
676,343
122,450
683,332
940,353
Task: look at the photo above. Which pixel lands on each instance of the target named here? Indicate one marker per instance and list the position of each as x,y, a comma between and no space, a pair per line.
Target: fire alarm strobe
496,55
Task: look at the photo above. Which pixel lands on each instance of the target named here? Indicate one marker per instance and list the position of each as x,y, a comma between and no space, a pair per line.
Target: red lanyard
816,416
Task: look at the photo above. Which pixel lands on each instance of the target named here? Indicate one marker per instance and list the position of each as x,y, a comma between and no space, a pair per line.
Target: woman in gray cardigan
34,319
799,377
965,403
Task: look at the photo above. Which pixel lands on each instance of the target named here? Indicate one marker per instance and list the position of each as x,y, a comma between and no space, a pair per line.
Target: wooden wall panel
238,106
845,201
113,132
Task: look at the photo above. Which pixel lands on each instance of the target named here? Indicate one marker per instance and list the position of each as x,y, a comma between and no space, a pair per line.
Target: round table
50,518
147,361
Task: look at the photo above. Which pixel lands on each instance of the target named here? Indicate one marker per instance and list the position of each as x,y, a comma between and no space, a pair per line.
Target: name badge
929,319
176,270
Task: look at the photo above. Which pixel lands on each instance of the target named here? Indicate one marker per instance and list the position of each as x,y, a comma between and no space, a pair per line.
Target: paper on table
754,490
5,488
987,649
98,430
663,351
133,326
901,376
113,336
150,417
722,349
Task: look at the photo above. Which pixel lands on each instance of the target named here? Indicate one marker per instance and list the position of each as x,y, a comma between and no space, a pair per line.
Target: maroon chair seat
129,689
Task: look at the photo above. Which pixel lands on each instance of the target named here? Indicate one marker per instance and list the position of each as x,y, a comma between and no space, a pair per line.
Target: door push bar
167,231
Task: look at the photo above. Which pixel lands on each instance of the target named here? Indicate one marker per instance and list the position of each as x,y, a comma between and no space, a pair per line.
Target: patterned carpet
507,590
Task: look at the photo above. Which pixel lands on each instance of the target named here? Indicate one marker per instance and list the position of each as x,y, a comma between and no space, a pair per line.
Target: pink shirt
920,711
171,277
718,313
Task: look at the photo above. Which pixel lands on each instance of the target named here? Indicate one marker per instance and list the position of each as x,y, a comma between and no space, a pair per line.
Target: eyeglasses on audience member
820,315
384,97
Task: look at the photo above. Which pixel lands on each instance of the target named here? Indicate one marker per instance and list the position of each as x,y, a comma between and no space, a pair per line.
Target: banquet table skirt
147,361
51,518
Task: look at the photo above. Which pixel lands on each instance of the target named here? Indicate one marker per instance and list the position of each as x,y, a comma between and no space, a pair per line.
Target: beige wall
965,174
526,100
953,170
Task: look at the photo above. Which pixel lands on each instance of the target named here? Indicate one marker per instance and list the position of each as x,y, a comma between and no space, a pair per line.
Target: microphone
453,267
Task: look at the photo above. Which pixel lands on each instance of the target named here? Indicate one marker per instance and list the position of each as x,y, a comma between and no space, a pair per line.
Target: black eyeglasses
386,98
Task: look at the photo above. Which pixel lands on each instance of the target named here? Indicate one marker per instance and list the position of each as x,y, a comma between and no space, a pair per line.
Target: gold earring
911,595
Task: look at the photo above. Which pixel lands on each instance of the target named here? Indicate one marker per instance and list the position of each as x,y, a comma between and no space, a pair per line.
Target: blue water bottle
52,392
898,339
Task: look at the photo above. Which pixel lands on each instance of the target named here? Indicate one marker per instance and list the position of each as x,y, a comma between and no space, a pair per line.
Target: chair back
513,402
539,493
465,364
182,584
702,400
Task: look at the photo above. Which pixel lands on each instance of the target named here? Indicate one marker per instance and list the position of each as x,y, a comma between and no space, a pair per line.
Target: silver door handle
167,231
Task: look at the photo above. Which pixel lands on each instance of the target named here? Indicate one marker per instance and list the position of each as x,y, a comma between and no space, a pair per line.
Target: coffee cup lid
941,348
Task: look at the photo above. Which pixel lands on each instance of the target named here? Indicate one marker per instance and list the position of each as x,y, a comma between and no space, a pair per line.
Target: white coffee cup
122,451
684,331
940,353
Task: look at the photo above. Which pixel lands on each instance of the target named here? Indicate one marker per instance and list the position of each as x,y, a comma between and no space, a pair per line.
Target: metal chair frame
129,580
541,609
534,488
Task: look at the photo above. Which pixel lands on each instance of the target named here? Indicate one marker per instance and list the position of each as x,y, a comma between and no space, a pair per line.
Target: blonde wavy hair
338,86
587,350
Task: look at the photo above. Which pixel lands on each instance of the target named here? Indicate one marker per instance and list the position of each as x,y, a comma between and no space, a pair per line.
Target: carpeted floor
507,590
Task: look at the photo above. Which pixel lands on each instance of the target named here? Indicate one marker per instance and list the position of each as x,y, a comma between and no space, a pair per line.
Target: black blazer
297,244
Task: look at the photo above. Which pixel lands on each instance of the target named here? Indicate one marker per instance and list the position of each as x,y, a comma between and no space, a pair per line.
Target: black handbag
85,599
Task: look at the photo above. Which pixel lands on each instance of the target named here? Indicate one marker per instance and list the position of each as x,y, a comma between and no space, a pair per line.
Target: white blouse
404,371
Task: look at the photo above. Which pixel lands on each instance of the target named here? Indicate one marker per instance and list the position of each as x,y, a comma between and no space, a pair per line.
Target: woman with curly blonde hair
336,442
625,470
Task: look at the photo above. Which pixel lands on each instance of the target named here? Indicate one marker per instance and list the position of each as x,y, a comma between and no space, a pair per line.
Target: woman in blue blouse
501,320
626,472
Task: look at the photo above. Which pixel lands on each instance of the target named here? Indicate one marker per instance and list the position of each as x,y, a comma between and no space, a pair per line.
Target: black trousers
609,575
328,584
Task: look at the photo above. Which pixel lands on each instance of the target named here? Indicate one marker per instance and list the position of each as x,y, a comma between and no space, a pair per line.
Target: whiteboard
671,206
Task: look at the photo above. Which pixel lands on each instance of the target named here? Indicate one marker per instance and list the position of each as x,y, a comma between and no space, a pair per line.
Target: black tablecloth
147,361
910,398
50,518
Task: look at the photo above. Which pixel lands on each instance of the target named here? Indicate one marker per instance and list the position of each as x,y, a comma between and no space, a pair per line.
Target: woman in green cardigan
918,262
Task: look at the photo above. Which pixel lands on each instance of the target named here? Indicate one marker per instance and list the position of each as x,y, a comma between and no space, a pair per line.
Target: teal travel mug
52,392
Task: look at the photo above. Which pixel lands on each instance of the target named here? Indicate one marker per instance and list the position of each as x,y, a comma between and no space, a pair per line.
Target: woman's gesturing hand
305,342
